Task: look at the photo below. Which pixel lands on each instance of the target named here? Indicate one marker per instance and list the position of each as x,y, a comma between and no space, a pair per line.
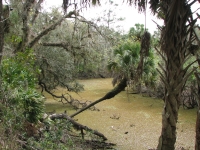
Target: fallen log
120,87
100,145
77,125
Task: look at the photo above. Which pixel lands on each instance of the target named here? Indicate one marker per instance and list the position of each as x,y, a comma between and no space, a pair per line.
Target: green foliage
57,69
15,39
135,33
55,138
113,66
33,105
150,73
14,17
156,38
11,123
126,58
20,101
19,78
19,71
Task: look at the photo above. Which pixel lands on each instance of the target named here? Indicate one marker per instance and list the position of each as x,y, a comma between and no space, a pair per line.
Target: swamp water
139,124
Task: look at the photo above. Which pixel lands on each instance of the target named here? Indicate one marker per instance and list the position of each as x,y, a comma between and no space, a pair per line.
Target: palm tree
126,60
174,45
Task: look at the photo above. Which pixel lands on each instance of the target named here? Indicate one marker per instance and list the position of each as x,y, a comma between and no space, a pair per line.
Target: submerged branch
68,100
120,87
43,85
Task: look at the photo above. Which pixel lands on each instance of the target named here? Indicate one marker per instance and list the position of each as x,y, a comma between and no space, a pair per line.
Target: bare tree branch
25,43
50,28
37,7
66,46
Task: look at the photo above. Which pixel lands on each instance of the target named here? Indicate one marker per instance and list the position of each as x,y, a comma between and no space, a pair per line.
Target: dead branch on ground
77,126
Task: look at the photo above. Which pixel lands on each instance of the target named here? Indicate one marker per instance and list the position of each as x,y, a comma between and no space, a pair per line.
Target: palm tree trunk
174,45
169,119
174,80
197,140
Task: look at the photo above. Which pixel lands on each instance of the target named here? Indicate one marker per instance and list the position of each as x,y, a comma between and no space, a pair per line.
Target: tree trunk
1,40
174,45
197,95
1,30
169,119
197,140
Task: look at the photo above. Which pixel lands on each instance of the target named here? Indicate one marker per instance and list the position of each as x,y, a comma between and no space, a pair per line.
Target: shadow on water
133,124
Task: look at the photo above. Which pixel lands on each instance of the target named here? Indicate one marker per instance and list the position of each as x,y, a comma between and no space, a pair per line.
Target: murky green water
140,117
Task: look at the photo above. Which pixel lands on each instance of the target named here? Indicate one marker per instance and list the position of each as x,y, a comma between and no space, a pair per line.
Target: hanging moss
145,43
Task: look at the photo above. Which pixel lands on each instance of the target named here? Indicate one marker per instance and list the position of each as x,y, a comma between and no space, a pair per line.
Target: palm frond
149,62
135,50
127,59
141,4
95,2
154,5
118,51
85,3
116,79
112,66
65,4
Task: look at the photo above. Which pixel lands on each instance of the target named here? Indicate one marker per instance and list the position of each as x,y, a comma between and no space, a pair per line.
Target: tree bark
120,87
197,138
1,40
174,45
197,75
1,30
26,30
169,119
